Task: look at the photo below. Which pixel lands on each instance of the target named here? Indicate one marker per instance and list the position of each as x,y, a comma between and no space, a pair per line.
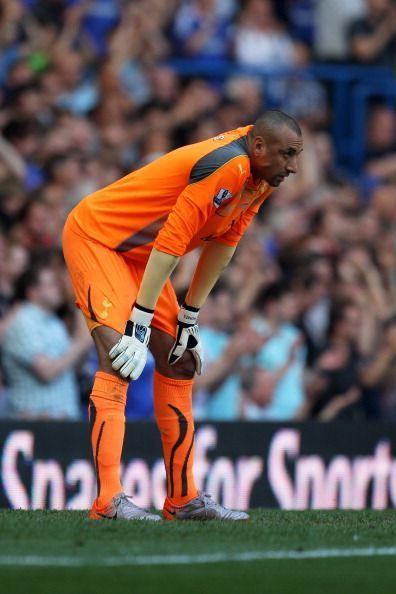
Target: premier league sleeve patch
222,196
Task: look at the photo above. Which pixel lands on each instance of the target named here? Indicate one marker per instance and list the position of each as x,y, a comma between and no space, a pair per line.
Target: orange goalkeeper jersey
196,193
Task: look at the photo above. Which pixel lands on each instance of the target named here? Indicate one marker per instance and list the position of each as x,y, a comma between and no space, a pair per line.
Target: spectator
99,20
217,390
361,281
14,262
260,38
165,87
39,357
313,283
247,93
381,144
200,30
66,178
78,92
372,38
12,203
23,137
300,17
140,404
335,390
332,20
275,390
378,375
304,96
11,15
37,228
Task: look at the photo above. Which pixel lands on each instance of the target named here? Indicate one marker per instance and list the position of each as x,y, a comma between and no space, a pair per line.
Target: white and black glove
187,337
129,355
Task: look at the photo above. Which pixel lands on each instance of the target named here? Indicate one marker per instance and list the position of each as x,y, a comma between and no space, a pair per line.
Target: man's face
377,6
47,293
224,311
273,158
288,307
351,323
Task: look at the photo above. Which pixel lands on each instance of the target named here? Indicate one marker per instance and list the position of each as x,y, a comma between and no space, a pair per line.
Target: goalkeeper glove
187,337
129,355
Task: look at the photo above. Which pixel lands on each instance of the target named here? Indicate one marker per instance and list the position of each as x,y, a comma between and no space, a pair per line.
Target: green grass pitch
276,552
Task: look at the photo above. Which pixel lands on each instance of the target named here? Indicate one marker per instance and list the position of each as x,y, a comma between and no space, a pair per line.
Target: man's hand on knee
187,338
129,355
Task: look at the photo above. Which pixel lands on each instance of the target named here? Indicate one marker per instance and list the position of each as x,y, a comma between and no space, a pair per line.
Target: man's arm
375,370
129,354
12,158
159,267
246,341
366,46
48,369
213,260
338,403
26,345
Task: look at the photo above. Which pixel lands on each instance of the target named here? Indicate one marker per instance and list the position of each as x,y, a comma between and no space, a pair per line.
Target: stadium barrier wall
293,466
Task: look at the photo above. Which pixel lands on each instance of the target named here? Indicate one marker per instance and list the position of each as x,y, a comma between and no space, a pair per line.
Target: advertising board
243,465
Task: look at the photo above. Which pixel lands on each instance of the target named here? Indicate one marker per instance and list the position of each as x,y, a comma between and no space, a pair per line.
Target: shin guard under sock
173,411
107,420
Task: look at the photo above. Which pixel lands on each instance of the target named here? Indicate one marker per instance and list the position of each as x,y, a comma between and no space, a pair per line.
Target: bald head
272,121
274,143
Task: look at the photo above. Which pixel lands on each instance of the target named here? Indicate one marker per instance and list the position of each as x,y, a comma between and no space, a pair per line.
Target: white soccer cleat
202,508
122,508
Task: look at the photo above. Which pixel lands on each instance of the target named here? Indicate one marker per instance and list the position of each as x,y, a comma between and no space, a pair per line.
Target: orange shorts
106,284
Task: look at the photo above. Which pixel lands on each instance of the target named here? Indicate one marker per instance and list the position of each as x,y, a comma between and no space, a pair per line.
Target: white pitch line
52,561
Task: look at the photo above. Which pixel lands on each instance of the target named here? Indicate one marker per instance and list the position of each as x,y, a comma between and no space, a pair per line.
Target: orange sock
173,411
107,420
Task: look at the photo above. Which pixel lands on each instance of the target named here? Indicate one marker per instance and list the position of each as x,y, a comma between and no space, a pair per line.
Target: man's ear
259,146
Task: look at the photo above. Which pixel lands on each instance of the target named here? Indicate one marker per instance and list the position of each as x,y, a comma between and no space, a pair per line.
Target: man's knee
160,346
105,338
183,369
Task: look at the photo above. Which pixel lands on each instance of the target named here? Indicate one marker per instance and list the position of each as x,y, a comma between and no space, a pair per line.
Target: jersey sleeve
195,205
237,229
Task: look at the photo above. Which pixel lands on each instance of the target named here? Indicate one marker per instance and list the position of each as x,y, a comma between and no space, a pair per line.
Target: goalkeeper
121,244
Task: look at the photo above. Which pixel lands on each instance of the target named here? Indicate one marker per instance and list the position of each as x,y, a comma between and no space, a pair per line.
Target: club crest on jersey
221,197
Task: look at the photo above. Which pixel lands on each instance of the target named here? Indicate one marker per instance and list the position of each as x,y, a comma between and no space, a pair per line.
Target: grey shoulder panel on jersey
216,158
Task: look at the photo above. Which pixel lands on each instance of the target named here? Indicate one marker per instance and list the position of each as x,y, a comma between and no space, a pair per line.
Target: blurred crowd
302,324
